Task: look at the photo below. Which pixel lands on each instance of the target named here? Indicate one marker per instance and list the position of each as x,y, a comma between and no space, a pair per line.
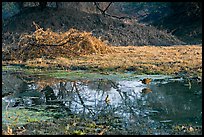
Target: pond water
132,104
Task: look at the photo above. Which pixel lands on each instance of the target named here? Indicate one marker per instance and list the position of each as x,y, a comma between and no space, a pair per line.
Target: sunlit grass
141,60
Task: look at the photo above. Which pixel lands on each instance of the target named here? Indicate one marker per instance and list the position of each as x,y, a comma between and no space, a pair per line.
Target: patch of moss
22,116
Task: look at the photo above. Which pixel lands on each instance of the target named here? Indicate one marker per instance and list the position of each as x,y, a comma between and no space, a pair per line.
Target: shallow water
164,101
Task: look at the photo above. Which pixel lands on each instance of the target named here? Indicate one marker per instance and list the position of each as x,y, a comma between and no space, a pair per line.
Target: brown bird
146,90
146,80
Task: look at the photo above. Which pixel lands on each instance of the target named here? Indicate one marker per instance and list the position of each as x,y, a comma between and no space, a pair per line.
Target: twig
103,131
7,106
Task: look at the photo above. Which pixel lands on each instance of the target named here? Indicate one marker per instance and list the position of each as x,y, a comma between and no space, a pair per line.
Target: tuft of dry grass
49,44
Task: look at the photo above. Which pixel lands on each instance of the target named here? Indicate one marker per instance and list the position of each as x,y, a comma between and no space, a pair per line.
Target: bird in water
146,80
107,99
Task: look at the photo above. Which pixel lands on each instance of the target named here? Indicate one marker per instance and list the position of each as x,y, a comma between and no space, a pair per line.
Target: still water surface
164,100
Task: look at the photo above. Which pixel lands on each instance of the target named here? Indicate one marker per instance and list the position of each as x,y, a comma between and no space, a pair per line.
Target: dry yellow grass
81,50
49,44
75,49
145,59
154,59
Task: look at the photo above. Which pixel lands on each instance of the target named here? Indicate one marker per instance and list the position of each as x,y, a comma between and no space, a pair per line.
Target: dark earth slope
113,31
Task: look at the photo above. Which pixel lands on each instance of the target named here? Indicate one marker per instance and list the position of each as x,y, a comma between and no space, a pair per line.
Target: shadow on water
129,102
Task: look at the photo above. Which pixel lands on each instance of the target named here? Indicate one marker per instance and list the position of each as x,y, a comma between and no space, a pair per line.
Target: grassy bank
140,60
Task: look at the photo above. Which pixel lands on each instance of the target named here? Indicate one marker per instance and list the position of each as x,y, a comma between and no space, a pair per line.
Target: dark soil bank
113,31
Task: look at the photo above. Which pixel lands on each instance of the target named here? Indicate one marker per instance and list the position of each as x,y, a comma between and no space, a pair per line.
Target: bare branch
80,98
104,13
108,6
114,16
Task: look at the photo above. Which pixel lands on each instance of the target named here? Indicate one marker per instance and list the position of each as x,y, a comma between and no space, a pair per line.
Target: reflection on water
161,101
